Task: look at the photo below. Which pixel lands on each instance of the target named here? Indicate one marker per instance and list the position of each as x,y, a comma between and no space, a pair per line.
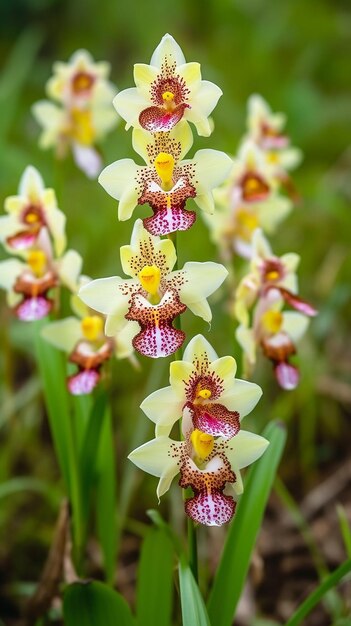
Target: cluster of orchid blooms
117,315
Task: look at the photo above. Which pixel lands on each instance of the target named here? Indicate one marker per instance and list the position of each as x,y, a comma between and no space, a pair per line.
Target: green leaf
155,579
345,529
235,560
316,596
52,367
193,607
106,505
95,604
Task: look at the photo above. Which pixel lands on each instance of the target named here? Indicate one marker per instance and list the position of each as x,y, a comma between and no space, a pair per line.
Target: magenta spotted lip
158,119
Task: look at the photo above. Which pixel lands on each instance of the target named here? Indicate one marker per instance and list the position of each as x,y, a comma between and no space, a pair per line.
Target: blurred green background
297,55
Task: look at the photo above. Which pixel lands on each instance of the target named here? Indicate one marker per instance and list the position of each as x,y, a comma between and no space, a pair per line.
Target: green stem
314,598
191,528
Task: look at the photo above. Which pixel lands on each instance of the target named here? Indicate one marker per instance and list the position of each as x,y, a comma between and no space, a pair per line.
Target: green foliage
95,604
193,607
155,580
232,570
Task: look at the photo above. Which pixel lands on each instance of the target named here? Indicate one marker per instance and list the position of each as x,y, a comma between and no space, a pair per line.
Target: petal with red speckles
83,383
32,309
287,375
209,505
215,419
157,119
157,336
210,509
168,220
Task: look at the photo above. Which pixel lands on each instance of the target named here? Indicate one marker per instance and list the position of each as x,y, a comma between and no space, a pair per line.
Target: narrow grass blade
95,604
193,607
235,560
89,449
345,529
316,596
155,580
106,505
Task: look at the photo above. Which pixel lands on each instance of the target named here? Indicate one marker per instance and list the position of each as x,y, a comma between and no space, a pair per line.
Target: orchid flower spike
83,114
155,295
34,208
168,90
166,182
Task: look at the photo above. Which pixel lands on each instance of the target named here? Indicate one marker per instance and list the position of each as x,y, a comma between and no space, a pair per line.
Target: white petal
191,74
63,334
207,97
162,407
260,245
169,48
242,396
69,269
179,374
205,202
127,203
295,324
87,159
202,309
197,347
245,448
225,367
201,121
31,184
291,261
124,338
104,295
9,225
56,221
202,280
144,75
246,340
212,168
158,457
129,103
118,177
9,271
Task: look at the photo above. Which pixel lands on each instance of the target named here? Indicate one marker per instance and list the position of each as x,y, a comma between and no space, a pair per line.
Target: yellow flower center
82,127
167,96
82,81
92,327
37,262
202,444
272,321
272,275
150,277
32,218
246,223
164,165
273,157
205,394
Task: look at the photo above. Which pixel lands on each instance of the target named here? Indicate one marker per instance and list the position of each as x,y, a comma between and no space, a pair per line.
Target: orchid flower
154,296
166,182
168,90
82,338
266,130
267,271
29,282
34,208
277,333
247,200
83,115
205,387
